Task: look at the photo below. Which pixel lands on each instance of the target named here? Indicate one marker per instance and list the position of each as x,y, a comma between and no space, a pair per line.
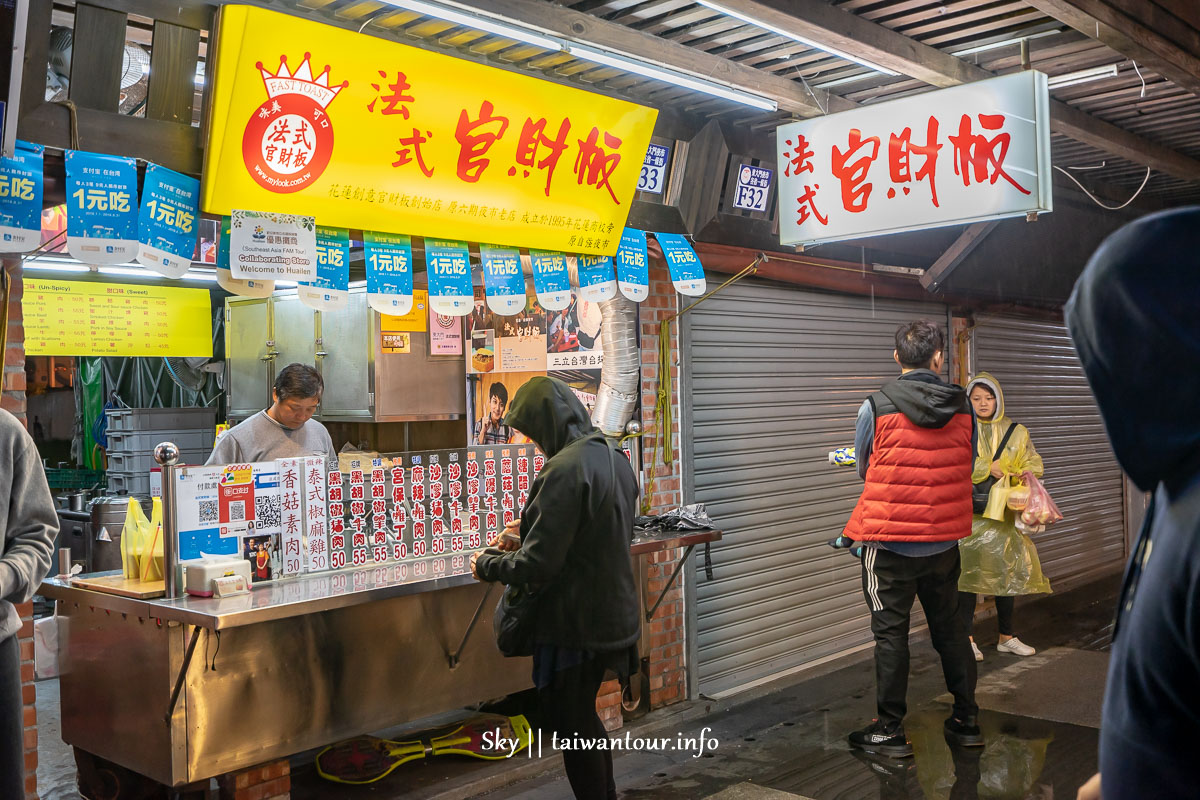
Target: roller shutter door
1045,390
776,378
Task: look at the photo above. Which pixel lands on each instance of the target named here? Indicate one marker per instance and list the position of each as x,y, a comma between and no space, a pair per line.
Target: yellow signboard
413,321
394,138
77,318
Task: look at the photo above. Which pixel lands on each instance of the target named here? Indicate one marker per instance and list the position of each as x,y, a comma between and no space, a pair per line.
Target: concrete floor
785,740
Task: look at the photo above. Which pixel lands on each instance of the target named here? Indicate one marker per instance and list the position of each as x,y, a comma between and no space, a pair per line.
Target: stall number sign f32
654,169
753,188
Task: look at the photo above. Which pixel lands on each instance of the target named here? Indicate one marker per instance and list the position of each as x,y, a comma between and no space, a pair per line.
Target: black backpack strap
1012,426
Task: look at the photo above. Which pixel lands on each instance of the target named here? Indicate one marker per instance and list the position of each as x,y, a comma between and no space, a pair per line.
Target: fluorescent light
490,23
1082,76
52,267
479,20
674,77
983,48
795,37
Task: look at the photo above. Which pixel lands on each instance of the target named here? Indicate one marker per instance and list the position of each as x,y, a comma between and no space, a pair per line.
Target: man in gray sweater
28,526
286,429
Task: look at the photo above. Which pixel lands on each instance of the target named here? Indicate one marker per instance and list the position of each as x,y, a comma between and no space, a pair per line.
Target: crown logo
285,81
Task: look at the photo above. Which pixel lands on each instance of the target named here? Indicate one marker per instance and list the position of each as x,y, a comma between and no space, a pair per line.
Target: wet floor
1040,717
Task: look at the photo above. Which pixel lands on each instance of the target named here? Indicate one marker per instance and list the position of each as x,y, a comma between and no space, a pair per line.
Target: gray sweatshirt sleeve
864,437
31,527
226,451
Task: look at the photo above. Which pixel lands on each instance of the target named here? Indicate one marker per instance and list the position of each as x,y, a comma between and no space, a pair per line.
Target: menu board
79,318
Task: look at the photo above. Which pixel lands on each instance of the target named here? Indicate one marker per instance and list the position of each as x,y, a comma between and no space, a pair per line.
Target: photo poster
492,393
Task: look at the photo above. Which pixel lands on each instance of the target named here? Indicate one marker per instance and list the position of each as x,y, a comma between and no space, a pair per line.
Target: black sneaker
963,732
886,740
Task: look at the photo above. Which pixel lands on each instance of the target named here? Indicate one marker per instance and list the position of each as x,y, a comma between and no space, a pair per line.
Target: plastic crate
144,442
129,483
144,461
74,478
161,419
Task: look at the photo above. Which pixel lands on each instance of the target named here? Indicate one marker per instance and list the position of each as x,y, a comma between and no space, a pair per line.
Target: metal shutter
1044,390
776,377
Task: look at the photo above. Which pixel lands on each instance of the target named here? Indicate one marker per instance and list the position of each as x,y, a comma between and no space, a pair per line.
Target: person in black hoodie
575,532
915,446
1133,318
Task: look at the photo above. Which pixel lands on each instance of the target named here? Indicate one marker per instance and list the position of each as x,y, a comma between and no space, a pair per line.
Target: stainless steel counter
307,594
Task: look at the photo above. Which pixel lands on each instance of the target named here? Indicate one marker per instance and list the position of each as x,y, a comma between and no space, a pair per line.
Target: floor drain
748,739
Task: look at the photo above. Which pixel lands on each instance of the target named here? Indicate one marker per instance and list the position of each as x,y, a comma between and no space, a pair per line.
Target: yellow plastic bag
998,500
133,539
151,560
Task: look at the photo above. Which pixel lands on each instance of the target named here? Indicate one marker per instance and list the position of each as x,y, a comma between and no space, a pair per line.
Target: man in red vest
915,446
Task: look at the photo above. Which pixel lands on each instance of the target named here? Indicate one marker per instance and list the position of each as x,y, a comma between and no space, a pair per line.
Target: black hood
549,413
1135,319
925,399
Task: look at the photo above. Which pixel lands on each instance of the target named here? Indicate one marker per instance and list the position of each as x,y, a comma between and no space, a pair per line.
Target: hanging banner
225,278
633,267
448,266
167,221
331,290
388,261
596,281
551,280
394,137
267,246
503,280
687,273
102,215
969,153
21,199
413,320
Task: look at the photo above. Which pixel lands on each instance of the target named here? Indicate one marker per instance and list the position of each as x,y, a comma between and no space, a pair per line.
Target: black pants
12,755
890,583
569,709
1004,611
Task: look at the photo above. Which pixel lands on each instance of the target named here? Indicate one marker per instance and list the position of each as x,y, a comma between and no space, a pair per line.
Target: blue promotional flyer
503,281
331,290
687,273
448,265
21,199
551,280
167,222
633,266
387,258
596,280
102,208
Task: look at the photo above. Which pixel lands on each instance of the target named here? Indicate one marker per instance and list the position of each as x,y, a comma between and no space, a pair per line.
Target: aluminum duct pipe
621,375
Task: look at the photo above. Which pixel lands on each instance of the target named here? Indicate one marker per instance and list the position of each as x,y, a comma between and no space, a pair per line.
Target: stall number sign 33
753,188
654,169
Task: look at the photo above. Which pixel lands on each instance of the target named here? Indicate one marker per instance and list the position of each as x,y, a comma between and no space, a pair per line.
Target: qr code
209,512
267,510
237,511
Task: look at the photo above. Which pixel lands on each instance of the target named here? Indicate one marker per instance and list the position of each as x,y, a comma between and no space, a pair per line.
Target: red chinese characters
851,166
975,154
900,152
392,102
594,165
410,148
533,137
475,138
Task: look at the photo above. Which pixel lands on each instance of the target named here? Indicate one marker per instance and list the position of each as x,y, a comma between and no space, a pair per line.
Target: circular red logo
288,143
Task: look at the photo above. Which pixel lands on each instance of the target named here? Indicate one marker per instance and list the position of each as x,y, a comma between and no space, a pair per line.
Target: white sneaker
978,653
1016,647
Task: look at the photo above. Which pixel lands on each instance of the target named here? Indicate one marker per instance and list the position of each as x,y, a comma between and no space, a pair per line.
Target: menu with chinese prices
79,318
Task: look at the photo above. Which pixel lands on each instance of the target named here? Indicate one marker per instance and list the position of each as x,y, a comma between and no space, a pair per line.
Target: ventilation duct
621,373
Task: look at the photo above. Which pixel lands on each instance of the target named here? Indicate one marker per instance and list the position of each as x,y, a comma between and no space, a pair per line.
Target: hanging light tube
1082,76
795,37
509,29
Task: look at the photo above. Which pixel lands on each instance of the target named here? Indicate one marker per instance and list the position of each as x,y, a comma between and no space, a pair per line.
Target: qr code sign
209,511
237,511
267,510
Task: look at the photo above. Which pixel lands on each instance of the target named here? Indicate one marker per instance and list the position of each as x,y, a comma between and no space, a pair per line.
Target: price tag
654,169
753,188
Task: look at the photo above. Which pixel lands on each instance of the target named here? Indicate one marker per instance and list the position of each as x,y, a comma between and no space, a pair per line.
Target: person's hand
997,472
1090,790
474,569
509,539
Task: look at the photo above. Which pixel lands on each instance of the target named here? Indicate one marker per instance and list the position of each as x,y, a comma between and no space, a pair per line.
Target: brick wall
668,677
270,781
13,400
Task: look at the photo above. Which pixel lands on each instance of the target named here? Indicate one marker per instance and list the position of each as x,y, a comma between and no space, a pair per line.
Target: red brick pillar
608,705
270,781
667,667
13,399
28,696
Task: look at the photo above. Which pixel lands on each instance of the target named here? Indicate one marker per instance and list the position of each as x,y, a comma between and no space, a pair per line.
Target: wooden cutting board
122,586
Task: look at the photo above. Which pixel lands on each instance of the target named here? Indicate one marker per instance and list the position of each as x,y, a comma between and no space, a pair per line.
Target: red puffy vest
918,485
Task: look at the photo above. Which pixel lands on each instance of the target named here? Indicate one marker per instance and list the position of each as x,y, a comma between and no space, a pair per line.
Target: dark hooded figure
1135,319
575,532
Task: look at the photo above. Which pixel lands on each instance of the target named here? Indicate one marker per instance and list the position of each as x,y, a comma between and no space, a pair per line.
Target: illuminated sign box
969,153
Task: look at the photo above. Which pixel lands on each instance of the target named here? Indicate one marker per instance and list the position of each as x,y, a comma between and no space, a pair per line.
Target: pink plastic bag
1040,510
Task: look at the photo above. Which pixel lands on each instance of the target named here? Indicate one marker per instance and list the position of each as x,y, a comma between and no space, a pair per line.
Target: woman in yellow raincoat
997,558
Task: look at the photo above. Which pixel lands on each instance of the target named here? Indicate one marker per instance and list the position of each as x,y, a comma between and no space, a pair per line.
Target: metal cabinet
362,383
